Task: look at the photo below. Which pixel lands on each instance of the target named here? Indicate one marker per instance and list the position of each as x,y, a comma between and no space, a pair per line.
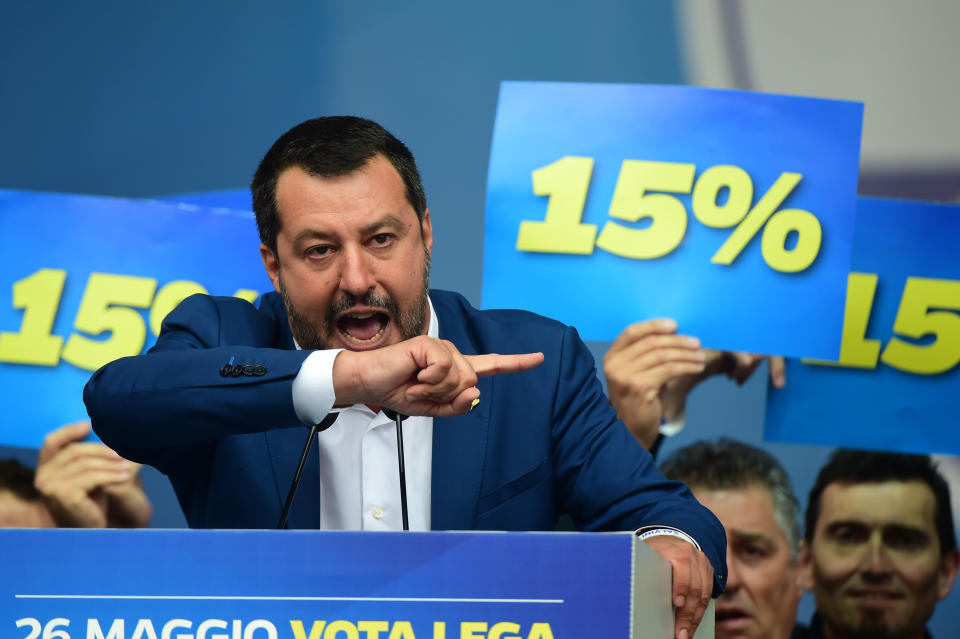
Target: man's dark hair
328,147
18,479
727,464
869,467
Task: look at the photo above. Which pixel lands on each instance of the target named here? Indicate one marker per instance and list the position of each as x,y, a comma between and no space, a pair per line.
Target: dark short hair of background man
879,548
751,494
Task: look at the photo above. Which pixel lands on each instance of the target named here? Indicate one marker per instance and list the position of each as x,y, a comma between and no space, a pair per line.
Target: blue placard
609,204
899,388
88,279
285,584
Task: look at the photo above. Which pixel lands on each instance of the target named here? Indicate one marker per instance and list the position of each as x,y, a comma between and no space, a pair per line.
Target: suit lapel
459,443
285,445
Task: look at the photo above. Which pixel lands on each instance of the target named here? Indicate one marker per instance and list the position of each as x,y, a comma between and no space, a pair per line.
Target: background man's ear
805,566
947,573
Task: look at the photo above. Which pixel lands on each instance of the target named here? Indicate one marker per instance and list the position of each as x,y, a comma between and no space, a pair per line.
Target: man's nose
733,574
356,275
876,563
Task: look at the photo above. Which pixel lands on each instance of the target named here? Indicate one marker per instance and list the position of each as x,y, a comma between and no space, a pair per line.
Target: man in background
879,547
751,494
76,484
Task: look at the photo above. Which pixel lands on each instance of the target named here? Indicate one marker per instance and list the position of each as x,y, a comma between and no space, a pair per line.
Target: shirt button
378,512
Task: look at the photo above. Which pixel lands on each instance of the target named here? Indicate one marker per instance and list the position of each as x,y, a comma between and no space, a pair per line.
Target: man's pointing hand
420,376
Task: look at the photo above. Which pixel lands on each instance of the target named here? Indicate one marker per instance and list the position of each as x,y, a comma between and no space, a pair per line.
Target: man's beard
316,335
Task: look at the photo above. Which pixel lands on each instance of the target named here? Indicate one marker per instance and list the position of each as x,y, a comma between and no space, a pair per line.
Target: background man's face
352,260
760,600
874,561
21,513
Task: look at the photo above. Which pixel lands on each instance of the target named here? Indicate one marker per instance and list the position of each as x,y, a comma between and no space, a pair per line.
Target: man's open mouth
730,614
363,328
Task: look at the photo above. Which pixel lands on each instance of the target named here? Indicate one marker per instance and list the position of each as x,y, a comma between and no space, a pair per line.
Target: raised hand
86,484
643,359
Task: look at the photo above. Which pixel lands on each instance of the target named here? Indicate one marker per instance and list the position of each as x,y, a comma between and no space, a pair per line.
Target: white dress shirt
359,468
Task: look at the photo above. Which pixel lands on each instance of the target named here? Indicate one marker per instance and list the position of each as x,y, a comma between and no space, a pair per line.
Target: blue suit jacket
541,443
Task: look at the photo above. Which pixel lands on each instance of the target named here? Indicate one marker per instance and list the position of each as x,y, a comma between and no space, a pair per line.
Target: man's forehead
749,506
908,503
375,181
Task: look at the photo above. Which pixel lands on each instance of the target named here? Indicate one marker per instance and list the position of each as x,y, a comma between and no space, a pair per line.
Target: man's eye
848,534
754,551
381,239
905,538
318,251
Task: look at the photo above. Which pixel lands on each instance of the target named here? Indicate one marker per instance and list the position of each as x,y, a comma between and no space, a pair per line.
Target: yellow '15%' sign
107,305
641,192
916,318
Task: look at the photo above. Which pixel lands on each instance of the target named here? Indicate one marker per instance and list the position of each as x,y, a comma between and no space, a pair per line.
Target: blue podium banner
89,279
313,585
730,211
896,385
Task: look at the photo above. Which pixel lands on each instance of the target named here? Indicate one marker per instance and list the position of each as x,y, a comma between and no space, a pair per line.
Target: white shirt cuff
657,531
313,394
673,425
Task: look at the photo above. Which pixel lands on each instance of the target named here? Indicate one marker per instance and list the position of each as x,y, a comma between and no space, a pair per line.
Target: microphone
324,424
398,420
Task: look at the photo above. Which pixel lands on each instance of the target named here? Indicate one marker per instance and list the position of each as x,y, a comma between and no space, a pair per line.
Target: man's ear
947,572
272,265
805,566
426,231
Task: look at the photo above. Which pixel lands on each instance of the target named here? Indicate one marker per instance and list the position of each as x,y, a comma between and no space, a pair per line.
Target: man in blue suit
219,403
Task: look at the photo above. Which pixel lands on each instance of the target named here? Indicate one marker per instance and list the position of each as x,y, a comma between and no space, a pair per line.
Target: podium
262,584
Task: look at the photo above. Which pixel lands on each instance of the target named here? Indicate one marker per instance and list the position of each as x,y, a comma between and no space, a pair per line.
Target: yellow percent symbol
642,191
107,307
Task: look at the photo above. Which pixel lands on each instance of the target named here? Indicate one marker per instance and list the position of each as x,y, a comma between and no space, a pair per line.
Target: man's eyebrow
852,523
388,221
311,234
747,535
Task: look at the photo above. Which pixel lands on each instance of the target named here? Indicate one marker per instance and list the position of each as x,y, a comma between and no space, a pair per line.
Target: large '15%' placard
729,211
89,279
896,384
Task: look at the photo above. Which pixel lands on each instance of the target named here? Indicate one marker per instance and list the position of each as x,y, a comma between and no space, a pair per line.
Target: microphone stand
398,420
324,424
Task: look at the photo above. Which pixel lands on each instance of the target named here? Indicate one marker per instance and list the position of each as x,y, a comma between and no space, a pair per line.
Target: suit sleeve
180,396
609,480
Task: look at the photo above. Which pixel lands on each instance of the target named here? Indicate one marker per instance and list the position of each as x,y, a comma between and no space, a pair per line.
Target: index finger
688,600
495,364
638,331
57,439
